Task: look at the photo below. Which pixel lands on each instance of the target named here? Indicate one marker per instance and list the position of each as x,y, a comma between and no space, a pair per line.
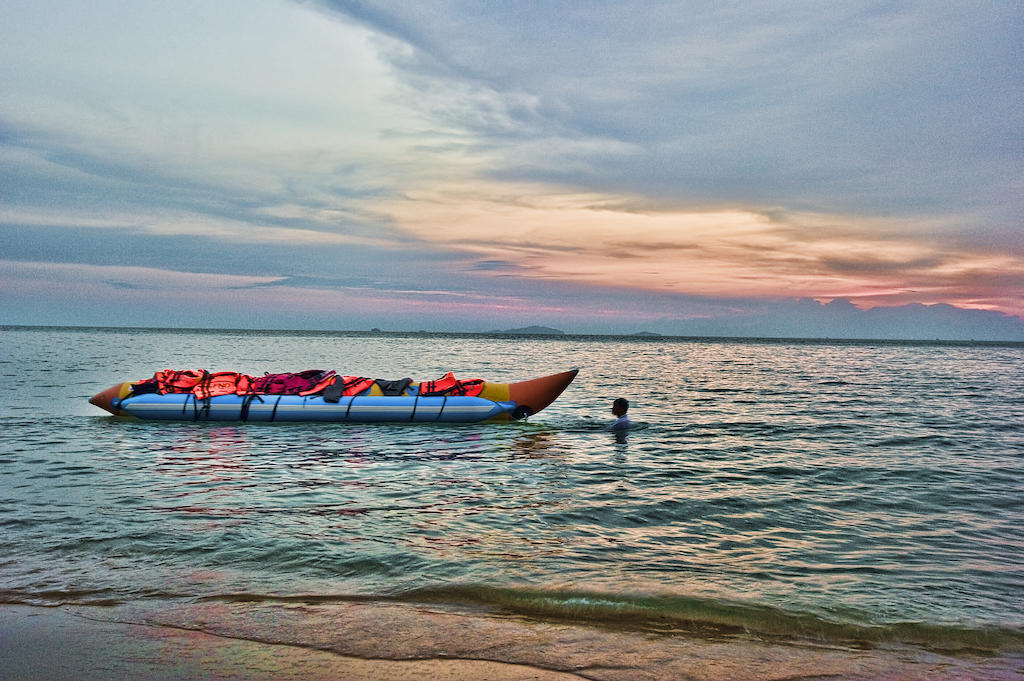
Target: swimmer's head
620,406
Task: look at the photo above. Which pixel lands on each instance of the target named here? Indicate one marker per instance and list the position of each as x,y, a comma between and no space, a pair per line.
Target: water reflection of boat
495,402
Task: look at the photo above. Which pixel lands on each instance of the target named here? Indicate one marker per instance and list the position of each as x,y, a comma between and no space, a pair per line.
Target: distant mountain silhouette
534,330
840,318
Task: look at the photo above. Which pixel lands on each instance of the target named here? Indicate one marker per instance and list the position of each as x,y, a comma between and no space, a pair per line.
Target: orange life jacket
353,385
170,381
451,386
222,383
346,386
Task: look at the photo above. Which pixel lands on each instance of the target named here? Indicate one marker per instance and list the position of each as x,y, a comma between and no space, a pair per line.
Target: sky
761,167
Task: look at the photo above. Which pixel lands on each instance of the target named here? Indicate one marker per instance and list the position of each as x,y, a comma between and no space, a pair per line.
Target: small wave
910,440
723,390
56,597
589,425
716,617
673,615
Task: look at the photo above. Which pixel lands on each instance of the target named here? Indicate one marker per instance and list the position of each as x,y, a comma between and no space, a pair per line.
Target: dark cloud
909,110
503,266
129,285
879,264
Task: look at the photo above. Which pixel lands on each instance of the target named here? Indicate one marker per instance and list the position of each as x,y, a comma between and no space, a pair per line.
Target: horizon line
513,333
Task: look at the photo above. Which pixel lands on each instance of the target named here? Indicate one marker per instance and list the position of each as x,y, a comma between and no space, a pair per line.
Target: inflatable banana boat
415,403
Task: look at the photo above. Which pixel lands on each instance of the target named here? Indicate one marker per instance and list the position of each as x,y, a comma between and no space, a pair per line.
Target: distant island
648,334
534,330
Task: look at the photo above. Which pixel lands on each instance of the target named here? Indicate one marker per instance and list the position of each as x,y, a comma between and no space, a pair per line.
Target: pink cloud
721,252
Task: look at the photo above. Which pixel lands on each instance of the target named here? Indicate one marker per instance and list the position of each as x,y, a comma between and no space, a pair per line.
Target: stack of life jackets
201,383
204,384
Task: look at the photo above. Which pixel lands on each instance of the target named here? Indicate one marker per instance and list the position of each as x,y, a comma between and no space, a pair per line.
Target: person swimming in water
619,407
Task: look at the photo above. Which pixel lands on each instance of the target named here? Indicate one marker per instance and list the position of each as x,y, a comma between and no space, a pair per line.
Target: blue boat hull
266,408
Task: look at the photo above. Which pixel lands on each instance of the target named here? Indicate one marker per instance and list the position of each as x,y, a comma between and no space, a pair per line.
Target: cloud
453,160
120,295
182,112
767,149
18,274
741,102
614,241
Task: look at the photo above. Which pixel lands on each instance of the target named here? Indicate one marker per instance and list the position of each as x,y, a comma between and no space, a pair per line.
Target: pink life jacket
302,383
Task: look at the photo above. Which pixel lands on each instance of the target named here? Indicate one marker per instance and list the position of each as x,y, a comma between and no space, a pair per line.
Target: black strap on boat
415,403
273,413
243,414
439,411
195,407
349,407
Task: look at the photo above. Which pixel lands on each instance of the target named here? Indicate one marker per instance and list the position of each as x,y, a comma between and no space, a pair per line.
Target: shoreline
56,644
395,642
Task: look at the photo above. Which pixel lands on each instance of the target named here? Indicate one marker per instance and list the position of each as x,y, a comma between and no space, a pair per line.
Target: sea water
847,493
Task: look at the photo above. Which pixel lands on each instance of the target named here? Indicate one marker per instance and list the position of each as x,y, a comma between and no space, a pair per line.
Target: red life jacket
451,386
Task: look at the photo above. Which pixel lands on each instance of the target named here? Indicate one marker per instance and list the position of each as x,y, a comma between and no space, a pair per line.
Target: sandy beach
375,641
55,644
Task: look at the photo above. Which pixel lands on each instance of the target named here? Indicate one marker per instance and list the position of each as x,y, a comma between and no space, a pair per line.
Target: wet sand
54,644
385,641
